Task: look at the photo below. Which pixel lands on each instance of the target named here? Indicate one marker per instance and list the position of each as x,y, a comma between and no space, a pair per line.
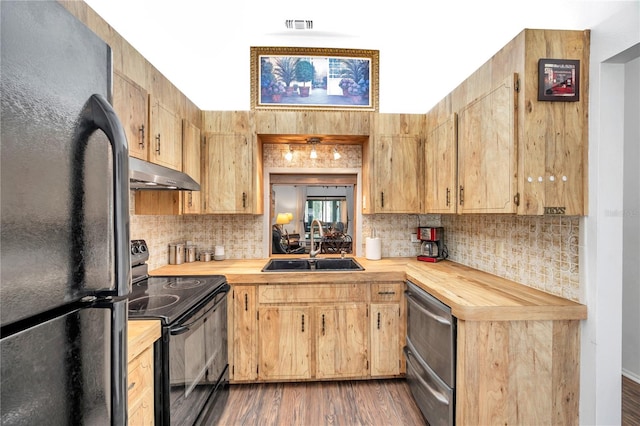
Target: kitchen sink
312,264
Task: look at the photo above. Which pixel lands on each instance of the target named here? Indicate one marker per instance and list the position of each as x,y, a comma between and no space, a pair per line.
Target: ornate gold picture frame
293,78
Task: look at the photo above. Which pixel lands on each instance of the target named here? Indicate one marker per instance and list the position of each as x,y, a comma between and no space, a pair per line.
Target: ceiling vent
298,24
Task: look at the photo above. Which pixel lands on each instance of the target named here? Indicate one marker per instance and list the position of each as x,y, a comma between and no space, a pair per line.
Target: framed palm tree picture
314,78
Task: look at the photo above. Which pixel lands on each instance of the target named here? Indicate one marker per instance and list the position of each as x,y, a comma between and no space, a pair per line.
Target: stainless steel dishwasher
431,355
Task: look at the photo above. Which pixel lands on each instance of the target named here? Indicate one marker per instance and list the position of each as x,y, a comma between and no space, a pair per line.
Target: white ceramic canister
218,253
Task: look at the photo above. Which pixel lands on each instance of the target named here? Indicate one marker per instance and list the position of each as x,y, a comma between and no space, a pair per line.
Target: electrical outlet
414,237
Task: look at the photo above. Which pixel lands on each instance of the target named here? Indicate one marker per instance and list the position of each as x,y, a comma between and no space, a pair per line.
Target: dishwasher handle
424,310
441,397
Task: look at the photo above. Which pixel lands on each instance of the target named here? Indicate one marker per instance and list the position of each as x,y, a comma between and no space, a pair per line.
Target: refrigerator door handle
98,114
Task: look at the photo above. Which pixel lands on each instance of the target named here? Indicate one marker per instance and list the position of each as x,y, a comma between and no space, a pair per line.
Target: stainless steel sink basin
312,264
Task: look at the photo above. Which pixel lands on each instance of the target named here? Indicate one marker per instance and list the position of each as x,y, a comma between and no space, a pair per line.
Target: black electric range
192,378
167,298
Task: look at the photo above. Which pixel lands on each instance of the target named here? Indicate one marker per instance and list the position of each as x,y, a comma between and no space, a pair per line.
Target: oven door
197,358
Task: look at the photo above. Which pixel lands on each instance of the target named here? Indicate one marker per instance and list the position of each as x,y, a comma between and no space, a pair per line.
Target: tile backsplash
538,251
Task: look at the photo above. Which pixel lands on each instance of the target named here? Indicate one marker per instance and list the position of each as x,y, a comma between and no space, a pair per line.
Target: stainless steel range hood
145,175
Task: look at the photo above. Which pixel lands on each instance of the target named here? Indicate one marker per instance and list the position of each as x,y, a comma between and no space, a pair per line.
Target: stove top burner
151,303
184,283
168,297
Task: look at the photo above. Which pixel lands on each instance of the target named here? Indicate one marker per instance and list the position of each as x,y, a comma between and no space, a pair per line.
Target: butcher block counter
517,348
472,294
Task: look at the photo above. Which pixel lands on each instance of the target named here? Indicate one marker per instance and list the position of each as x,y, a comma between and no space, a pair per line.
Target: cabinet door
285,343
244,334
341,332
441,168
191,163
130,103
228,173
397,168
385,339
487,152
166,136
141,389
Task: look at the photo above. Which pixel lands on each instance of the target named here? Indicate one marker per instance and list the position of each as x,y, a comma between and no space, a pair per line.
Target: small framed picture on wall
559,80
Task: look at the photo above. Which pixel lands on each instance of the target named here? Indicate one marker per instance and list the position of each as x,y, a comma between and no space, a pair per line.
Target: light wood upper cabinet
165,135
516,153
228,173
395,174
191,165
487,162
130,102
285,342
441,167
341,339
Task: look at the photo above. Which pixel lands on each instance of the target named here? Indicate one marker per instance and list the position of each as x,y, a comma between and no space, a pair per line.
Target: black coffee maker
432,248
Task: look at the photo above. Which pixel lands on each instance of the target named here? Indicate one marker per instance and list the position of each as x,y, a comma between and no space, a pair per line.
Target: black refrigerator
65,266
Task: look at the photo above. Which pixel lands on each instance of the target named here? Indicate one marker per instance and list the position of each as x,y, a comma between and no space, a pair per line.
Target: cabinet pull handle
244,200
382,199
461,195
378,320
190,198
141,131
386,293
448,197
246,302
158,144
323,324
303,323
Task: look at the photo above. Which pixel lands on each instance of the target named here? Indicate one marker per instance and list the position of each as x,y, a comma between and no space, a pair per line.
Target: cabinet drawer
386,292
140,372
316,293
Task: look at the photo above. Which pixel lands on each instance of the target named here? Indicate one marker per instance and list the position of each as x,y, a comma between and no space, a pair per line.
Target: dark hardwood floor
350,403
361,402
630,402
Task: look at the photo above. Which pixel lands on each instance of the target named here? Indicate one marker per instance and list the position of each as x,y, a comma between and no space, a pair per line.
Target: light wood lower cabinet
141,335
518,372
341,341
243,333
287,332
284,343
140,397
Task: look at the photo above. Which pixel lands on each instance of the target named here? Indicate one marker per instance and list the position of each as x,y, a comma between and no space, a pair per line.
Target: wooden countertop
140,335
473,295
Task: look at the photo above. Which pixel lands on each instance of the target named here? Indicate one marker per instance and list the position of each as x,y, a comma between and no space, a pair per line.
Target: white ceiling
426,48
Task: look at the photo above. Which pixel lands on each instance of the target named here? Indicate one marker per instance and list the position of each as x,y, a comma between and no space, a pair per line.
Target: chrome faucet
312,252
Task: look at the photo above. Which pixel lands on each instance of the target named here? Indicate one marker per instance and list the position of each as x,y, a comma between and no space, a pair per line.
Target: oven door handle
183,328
